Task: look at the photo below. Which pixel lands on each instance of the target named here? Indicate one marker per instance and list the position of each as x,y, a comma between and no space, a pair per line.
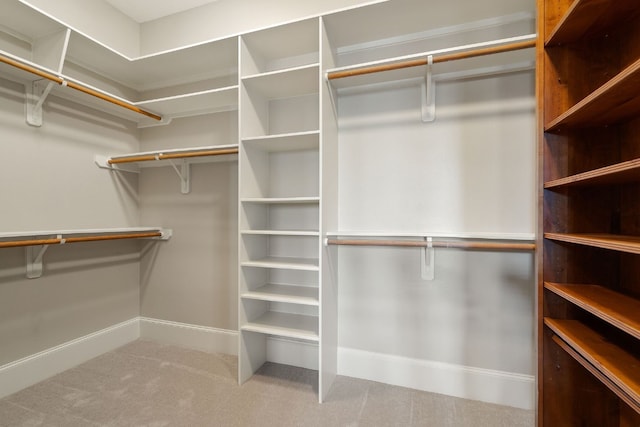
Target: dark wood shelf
616,365
589,18
614,242
615,101
614,308
615,174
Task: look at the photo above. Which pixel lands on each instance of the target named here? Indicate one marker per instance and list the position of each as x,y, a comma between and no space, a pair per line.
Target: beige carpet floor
149,384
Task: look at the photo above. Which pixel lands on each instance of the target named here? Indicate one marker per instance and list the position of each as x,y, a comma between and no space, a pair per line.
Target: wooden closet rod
166,156
79,239
76,86
436,244
436,59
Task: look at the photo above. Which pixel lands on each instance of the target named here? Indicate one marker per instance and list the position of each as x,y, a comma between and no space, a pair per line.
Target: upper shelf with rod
37,242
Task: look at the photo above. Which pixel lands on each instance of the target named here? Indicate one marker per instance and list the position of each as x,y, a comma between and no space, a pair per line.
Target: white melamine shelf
293,294
287,263
286,83
309,140
285,325
281,200
207,101
282,232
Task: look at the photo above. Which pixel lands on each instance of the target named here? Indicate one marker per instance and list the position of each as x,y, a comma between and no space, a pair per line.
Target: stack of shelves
279,189
589,77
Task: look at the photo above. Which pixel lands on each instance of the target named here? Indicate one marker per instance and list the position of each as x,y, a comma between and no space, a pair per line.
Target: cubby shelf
612,102
613,307
619,173
618,368
586,18
286,83
630,244
285,325
290,263
285,142
281,200
304,295
282,232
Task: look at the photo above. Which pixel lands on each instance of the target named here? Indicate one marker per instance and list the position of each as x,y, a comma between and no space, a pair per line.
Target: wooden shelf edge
614,364
630,244
614,308
620,172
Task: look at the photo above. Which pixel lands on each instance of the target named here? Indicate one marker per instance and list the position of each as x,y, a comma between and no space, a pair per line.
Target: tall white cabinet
283,154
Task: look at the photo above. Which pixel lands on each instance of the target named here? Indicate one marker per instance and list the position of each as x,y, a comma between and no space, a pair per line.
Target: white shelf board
441,234
186,65
285,325
208,101
288,263
293,294
285,142
282,232
281,200
286,83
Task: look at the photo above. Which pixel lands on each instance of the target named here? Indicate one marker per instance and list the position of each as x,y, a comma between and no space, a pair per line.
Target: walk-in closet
241,212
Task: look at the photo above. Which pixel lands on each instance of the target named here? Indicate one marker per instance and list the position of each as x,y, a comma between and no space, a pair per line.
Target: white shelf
293,294
288,263
285,325
286,83
190,104
281,200
282,232
309,140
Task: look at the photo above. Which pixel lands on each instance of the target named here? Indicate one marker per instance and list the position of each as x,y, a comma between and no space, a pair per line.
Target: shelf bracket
332,96
185,175
34,256
429,94
103,162
37,93
427,256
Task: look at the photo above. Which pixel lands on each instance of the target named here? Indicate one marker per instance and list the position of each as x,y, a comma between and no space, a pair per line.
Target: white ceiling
148,10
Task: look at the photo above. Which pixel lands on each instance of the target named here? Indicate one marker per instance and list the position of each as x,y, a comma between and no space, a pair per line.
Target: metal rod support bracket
427,264
185,175
34,256
37,93
429,93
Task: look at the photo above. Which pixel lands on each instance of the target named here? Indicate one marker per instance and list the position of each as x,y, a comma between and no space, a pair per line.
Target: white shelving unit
280,191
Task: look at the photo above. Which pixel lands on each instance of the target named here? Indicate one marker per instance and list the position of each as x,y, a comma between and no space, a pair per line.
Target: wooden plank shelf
293,294
281,324
620,369
615,174
612,102
589,18
613,307
615,242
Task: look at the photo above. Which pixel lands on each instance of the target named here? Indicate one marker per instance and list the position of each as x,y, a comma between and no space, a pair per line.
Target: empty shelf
293,294
282,232
614,242
285,142
282,200
287,83
613,307
619,173
285,325
290,263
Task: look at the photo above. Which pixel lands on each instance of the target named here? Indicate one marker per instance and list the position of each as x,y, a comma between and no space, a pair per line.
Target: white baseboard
32,369
503,388
203,338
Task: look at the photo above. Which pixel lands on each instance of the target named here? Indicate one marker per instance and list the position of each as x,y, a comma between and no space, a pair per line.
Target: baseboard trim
197,337
37,367
503,388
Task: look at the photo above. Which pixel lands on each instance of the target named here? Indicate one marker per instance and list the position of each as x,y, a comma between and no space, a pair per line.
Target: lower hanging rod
166,156
77,86
78,239
435,244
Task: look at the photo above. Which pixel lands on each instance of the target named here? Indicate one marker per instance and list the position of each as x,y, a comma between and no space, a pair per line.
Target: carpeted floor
150,384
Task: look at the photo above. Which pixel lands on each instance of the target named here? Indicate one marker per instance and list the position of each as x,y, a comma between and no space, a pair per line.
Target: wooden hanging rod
61,81
78,239
436,59
178,155
436,244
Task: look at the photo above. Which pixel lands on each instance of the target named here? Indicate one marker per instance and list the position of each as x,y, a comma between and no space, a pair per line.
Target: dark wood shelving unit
589,215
